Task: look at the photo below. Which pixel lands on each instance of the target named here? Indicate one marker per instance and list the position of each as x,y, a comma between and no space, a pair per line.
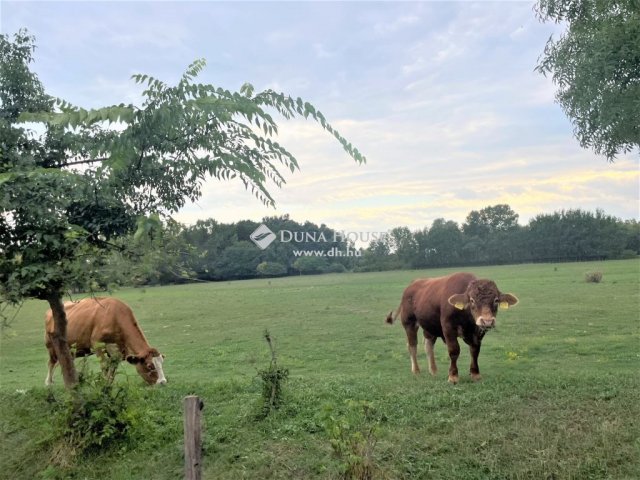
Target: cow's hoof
416,371
476,377
453,379
433,372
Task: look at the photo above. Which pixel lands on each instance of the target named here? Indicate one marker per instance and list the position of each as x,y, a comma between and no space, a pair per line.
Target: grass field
559,399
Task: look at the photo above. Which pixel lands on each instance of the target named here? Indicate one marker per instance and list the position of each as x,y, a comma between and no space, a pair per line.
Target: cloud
398,23
321,51
280,38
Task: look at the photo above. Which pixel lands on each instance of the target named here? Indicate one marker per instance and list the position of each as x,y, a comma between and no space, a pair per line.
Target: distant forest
213,251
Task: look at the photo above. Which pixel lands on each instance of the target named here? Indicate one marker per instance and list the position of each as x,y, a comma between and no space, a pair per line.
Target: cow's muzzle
486,322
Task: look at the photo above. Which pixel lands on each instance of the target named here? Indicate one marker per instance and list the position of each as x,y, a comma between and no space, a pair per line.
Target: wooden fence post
192,438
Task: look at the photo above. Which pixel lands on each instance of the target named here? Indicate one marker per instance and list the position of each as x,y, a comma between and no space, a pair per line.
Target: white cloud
321,51
279,38
398,23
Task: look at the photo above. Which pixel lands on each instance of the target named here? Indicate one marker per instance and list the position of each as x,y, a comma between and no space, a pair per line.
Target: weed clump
273,379
353,438
593,277
96,414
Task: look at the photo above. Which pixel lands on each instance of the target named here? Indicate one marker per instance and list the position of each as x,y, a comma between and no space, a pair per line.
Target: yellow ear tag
504,305
459,305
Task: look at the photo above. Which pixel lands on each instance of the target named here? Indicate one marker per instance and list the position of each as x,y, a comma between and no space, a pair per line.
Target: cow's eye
496,300
473,302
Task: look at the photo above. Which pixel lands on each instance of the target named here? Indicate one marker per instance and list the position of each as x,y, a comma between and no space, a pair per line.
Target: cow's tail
392,317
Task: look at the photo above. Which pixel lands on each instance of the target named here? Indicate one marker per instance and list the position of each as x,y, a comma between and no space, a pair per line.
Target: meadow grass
559,399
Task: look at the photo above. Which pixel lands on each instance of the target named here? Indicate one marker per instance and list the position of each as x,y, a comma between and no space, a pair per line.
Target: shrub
336,268
96,414
310,265
593,277
271,269
272,380
353,438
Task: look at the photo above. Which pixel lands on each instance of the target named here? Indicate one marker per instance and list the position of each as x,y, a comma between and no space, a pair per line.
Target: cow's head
483,299
149,366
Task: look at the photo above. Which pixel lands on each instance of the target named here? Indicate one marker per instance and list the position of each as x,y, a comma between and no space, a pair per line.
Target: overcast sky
441,97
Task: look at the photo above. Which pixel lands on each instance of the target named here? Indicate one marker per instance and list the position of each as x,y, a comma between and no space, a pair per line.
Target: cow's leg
412,344
429,342
454,352
51,364
475,370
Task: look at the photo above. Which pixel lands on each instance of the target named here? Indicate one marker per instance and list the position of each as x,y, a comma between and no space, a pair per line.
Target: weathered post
192,438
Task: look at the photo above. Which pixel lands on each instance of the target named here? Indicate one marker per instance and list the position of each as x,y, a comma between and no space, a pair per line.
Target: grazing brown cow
459,305
110,322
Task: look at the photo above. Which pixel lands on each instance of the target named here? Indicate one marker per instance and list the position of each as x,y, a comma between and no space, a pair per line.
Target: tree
576,235
444,243
310,265
238,261
596,66
162,256
271,269
405,246
68,192
489,220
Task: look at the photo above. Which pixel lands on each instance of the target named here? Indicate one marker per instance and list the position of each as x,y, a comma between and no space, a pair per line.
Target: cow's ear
508,300
459,300
133,360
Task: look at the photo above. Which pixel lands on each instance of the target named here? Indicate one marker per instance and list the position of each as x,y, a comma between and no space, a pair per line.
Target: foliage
336,268
271,269
353,438
310,264
97,414
593,277
239,260
576,234
443,243
45,232
273,379
596,66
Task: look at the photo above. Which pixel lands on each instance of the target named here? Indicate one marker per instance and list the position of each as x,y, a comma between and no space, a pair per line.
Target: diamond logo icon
262,236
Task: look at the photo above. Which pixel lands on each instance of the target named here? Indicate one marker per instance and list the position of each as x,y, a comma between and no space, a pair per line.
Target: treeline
213,251
494,236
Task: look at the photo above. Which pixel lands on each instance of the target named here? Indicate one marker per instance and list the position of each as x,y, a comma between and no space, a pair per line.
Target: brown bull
106,325
459,305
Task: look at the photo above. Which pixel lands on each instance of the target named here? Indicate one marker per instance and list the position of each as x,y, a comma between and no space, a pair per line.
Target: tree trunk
59,340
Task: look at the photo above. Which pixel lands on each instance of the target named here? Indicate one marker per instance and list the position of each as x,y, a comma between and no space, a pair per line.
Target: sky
441,97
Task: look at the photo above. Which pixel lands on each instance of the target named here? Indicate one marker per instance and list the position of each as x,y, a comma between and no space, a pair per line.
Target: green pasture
559,399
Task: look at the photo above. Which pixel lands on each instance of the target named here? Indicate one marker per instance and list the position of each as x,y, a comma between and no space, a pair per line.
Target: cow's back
94,320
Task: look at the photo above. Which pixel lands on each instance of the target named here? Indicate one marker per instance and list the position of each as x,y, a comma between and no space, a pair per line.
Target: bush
272,380
310,265
628,254
353,438
336,268
96,414
593,277
271,269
